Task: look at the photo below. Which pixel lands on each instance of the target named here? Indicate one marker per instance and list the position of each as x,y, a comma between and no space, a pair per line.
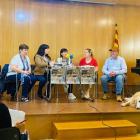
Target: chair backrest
11,133
32,69
4,71
0,68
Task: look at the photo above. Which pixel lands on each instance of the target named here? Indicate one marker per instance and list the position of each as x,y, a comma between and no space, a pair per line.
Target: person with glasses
114,69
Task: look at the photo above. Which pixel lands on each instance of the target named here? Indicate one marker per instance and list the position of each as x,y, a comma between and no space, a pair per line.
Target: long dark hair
41,51
63,50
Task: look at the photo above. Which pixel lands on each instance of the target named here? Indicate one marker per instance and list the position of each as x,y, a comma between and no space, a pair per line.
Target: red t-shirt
93,62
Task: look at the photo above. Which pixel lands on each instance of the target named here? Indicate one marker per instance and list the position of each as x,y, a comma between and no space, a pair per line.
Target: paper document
16,116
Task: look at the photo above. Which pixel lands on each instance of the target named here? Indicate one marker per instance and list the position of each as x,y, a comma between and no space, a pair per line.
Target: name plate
72,75
58,75
87,75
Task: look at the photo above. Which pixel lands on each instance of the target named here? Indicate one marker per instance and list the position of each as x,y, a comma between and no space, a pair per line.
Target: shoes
87,95
45,95
40,96
119,98
24,99
105,96
71,96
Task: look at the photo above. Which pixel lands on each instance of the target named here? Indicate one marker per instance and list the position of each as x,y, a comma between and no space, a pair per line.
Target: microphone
71,56
67,56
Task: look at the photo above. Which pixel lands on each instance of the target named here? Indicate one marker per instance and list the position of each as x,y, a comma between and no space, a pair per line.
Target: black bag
0,84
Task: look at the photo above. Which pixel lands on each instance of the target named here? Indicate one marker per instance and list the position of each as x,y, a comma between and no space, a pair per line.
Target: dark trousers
70,89
28,83
42,81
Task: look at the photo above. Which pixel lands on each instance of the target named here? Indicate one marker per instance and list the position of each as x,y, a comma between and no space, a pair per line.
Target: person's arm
95,64
40,63
58,60
30,69
104,69
123,68
96,69
15,68
81,62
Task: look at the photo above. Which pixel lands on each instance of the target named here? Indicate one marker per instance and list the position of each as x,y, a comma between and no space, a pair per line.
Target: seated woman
42,63
63,53
88,61
20,65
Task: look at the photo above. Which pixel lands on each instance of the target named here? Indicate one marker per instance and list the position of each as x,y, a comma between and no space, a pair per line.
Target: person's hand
76,63
113,73
110,74
52,63
21,127
29,72
26,72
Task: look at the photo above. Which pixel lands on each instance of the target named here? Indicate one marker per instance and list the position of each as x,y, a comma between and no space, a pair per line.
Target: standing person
20,65
42,63
88,61
63,53
114,69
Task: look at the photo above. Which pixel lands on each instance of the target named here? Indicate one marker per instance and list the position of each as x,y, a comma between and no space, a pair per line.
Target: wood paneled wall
71,25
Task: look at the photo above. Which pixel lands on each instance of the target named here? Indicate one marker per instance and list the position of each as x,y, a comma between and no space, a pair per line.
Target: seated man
114,69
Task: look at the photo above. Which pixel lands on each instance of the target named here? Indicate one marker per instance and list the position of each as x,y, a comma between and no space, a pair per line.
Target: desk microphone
68,57
71,56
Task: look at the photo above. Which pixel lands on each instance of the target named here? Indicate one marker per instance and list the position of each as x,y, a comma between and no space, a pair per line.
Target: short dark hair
23,46
63,50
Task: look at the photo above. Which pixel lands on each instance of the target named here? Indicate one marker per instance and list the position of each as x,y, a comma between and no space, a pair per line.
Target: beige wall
73,26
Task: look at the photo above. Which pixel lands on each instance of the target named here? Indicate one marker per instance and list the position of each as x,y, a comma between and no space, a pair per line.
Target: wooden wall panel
89,36
127,44
62,27
76,31
49,28
6,31
21,34
36,19
74,26
136,47
101,33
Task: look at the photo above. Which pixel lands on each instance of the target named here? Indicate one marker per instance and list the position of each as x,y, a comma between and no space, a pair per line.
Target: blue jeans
119,79
27,86
42,81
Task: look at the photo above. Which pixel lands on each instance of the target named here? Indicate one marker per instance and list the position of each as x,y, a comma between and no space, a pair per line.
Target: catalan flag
116,44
